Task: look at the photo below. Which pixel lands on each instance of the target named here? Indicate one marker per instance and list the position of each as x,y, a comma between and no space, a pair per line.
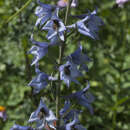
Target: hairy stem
61,53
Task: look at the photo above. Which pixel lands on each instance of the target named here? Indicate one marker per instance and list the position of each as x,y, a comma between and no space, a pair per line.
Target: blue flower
69,125
65,108
69,72
74,116
70,115
89,25
39,82
43,116
82,98
39,50
18,127
55,28
79,58
44,12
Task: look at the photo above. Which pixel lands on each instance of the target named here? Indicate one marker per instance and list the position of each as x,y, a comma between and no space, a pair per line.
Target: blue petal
61,35
79,58
48,25
40,44
72,123
42,106
38,52
84,32
39,82
46,6
70,115
75,81
38,21
18,127
82,99
54,41
86,88
37,87
65,108
89,25
87,105
45,18
40,11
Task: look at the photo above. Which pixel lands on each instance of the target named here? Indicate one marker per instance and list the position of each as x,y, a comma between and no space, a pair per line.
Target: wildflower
68,126
43,117
79,58
44,12
40,81
64,3
55,28
74,124
39,50
68,73
3,114
18,127
82,98
65,108
88,26
70,115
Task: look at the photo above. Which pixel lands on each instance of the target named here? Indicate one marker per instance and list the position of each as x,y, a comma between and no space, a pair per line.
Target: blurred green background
109,71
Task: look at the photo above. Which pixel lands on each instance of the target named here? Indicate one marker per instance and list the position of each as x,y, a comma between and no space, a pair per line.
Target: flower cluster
75,63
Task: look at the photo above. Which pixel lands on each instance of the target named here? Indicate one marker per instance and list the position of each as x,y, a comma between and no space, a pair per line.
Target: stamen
67,70
56,24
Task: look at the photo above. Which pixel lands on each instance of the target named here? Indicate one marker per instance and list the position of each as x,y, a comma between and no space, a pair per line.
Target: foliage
108,74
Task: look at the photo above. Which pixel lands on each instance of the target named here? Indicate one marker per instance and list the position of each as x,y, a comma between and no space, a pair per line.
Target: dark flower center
67,70
42,113
56,24
53,9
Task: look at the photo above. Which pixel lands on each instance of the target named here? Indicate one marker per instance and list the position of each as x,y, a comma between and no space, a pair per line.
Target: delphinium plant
68,67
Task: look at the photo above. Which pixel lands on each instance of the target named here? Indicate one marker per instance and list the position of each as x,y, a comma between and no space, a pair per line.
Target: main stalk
61,54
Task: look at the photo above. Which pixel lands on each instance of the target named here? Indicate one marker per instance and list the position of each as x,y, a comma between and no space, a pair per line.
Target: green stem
61,53
67,11
19,11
